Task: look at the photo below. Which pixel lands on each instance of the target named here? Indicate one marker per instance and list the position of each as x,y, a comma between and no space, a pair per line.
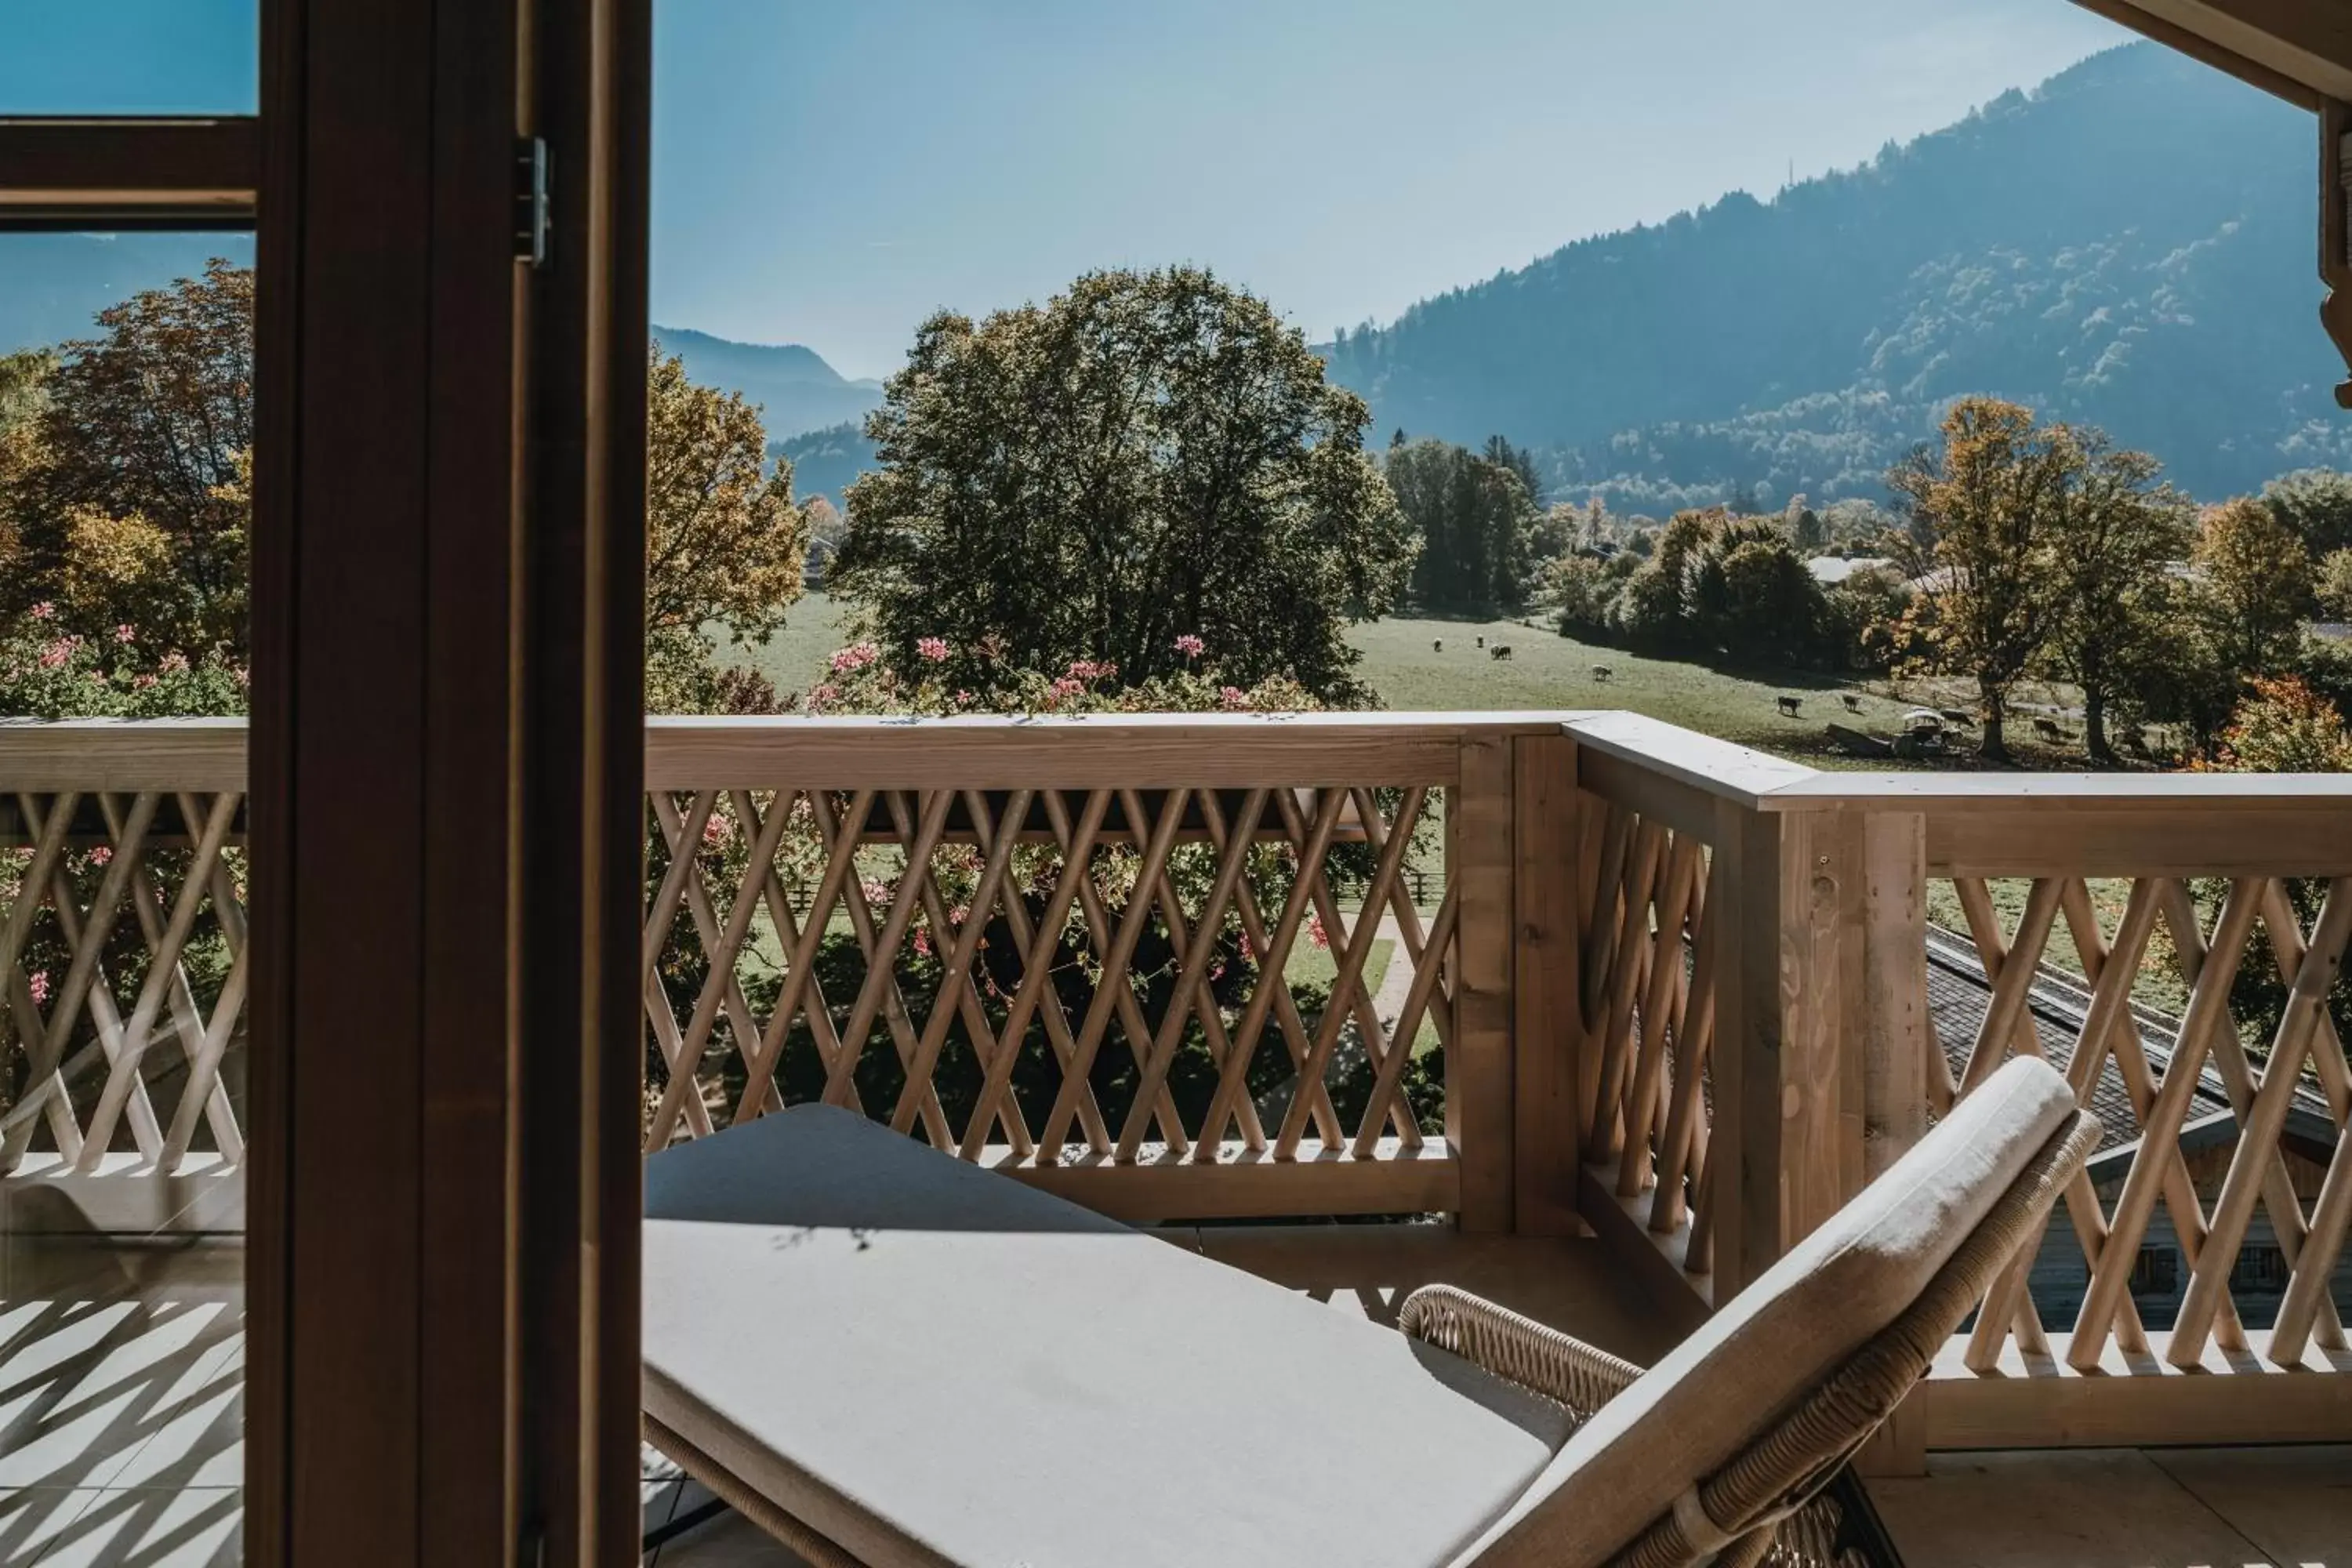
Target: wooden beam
1246,1184
2299,49
197,172
1548,1035
1479,1069
2335,229
2140,1401
1657,1262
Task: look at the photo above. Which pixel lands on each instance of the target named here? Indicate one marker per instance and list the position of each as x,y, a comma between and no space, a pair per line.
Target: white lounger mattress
928,1362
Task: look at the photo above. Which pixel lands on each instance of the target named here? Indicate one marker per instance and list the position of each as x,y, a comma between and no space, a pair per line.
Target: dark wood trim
192,173
472,890
582,789
269,1284
2175,36
2144,19
385,750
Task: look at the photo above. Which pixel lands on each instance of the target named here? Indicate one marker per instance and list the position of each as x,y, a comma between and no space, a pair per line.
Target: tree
1475,522
125,497
1520,461
2253,574
133,502
1149,456
2316,505
1806,530
1984,507
2282,726
724,543
2115,530
2332,585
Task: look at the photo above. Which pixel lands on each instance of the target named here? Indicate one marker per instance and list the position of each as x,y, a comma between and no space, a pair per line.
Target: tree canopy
1475,517
724,543
125,499
1985,512
1146,457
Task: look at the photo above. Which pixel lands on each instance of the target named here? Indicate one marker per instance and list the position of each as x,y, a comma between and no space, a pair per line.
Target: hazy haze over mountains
795,388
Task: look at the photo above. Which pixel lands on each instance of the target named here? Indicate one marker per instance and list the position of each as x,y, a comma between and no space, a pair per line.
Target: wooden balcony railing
1688,995
1762,1039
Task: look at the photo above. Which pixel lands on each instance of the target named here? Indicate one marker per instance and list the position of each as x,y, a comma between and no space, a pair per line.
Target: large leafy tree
130,499
1986,509
1146,457
2116,530
2254,576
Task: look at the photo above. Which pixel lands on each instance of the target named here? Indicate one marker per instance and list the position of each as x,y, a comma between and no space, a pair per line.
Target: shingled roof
1958,996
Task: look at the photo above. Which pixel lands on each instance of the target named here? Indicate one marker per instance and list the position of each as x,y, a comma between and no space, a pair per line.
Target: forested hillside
2128,245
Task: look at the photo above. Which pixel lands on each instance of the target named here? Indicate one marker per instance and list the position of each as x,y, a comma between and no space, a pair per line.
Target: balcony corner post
1548,1043
1479,1069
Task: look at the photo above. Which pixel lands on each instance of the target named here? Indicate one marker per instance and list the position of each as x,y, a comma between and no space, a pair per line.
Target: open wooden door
429,850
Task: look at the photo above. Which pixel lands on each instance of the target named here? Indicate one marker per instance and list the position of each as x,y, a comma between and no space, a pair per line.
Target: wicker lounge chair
886,1356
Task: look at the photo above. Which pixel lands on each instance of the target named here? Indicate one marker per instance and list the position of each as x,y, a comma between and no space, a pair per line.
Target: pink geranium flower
126,632
44,610
39,985
1233,697
1190,646
853,657
932,648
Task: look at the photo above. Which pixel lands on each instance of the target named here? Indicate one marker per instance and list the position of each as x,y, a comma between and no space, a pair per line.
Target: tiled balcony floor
120,1415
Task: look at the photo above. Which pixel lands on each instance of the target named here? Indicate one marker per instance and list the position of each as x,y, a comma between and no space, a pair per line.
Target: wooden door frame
448,781
446,759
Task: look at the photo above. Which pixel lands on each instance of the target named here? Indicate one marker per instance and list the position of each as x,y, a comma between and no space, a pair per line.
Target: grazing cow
1437,645
1958,716
1789,706
1853,703
1601,672
1500,650
2049,731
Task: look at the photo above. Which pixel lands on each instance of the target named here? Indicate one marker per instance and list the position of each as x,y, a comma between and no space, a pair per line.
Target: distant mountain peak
797,391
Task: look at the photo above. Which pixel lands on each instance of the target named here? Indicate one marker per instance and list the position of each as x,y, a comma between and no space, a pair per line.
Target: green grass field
1547,670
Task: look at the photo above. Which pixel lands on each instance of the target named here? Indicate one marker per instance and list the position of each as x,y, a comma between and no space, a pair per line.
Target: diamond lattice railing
1106,971
123,956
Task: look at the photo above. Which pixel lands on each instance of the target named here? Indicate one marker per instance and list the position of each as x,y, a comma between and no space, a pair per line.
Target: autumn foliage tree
724,543
2255,576
2116,530
129,487
1147,456
125,500
1980,547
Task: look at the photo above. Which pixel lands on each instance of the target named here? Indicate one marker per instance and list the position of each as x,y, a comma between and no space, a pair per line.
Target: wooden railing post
1548,1027
1479,1069
1831,979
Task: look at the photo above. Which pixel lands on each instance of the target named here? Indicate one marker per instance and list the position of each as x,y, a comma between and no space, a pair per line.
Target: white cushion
929,1363
1777,1339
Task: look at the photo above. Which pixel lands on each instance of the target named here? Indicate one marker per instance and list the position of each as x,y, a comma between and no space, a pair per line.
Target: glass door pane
126,419
129,56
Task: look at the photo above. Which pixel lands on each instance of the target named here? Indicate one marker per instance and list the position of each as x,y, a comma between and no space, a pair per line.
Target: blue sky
828,171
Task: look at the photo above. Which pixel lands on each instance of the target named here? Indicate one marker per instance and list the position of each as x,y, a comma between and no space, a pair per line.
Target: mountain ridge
2126,244
796,390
